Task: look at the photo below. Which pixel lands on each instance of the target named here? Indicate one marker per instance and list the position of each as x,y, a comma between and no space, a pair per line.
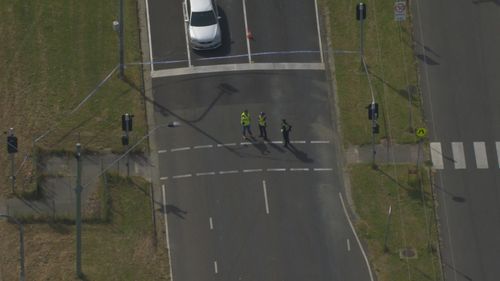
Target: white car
204,28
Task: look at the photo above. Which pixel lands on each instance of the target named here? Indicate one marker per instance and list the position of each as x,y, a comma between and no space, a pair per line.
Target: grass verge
54,54
412,223
120,250
388,49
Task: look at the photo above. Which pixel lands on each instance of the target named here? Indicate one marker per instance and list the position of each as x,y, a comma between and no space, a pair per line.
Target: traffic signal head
127,122
11,144
372,111
360,11
125,140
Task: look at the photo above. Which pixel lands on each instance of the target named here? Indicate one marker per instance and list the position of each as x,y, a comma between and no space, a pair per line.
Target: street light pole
22,275
78,191
122,55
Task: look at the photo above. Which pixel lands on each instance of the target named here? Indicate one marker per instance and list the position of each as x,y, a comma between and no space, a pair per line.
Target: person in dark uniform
262,125
285,130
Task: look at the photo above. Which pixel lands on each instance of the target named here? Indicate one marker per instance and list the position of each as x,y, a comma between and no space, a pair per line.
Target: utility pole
373,115
361,16
78,191
11,150
121,34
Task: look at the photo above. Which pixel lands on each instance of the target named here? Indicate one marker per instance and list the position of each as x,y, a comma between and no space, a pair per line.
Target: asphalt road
250,209
458,43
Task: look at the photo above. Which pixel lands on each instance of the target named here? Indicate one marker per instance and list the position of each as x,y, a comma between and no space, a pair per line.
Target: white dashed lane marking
252,170
322,169
299,169
276,170
203,146
161,151
180,149
181,176
205,174
228,172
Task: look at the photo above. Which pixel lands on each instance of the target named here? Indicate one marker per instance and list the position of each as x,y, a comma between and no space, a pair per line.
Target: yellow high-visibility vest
262,120
245,119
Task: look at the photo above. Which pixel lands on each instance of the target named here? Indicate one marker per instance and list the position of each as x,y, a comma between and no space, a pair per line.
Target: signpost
400,10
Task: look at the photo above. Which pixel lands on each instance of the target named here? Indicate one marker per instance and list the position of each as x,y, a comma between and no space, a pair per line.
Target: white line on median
228,172
211,224
203,146
163,178
252,170
265,196
180,149
182,176
162,151
276,170
215,267
356,236
205,174
348,245
246,31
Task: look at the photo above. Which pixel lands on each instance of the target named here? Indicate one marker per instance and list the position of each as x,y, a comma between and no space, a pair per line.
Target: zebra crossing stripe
458,155
437,155
498,152
480,152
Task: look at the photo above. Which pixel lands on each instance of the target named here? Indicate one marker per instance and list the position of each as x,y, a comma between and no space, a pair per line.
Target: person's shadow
302,156
175,211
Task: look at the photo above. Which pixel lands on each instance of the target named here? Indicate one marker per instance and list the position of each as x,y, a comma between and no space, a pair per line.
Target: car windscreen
203,18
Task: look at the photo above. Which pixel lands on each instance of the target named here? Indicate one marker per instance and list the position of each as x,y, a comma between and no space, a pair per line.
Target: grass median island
54,54
388,50
120,250
412,223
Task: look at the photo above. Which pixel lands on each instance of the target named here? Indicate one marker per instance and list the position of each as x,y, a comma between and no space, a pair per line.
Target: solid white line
277,142
226,144
205,174
498,152
235,67
252,170
163,178
299,169
323,169
162,151
149,37
481,158
203,146
245,143
163,190
228,172
437,155
357,238
211,224
215,267
186,17
297,141
348,245
181,176
276,170
265,196
319,141
458,155
180,149
319,32
246,31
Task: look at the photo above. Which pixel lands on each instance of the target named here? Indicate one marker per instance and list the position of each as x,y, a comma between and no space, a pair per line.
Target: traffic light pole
78,191
127,118
13,172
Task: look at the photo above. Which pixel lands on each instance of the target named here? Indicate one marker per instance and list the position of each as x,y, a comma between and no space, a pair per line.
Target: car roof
201,5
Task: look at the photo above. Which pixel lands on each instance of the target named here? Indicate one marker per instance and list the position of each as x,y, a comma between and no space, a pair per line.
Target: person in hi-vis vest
245,124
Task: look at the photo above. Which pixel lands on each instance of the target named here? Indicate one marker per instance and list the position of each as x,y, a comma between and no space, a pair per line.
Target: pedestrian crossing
462,155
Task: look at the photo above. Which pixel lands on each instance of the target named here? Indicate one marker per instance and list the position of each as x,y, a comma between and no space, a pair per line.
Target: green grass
412,222
54,53
392,66
119,250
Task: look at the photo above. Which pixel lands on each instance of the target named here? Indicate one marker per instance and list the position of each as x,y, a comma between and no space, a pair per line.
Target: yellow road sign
421,132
